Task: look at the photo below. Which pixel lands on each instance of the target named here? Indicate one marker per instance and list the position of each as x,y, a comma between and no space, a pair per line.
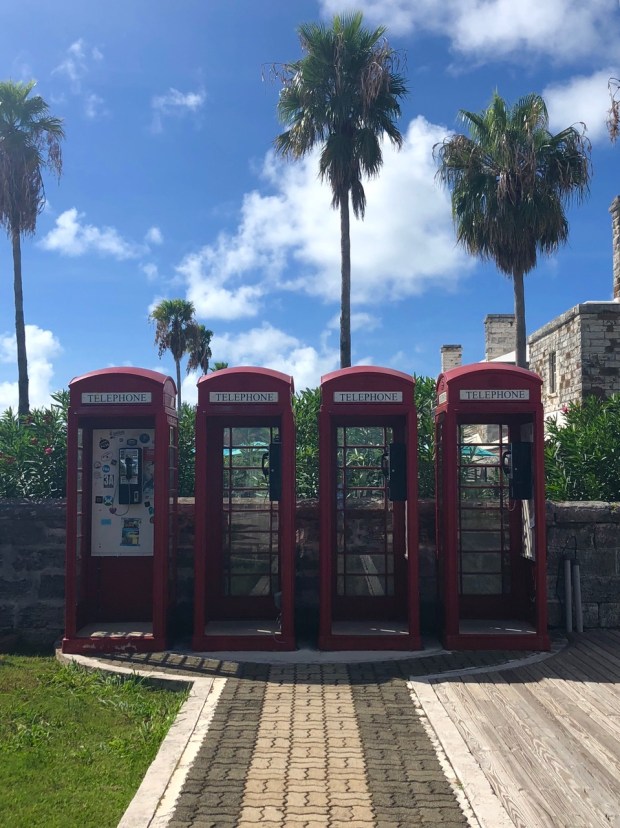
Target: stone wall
32,549
32,570
589,533
586,343
499,335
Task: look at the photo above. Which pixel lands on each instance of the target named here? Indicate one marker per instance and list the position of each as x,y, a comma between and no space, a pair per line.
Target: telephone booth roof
496,382
244,385
123,381
361,384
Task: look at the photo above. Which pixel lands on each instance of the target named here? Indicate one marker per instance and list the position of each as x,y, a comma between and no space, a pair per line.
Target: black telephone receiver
272,468
394,469
397,472
517,466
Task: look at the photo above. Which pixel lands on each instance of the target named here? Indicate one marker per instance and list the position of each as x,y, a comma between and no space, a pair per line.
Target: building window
552,372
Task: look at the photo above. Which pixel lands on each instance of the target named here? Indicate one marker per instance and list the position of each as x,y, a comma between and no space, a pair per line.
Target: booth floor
427,739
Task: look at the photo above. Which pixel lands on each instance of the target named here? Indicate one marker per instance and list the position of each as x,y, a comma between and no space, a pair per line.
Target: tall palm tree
200,350
511,180
175,331
343,96
29,143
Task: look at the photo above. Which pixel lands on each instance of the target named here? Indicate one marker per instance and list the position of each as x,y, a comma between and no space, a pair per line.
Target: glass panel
365,564
366,586
243,563
482,584
364,515
483,517
251,523
481,541
489,562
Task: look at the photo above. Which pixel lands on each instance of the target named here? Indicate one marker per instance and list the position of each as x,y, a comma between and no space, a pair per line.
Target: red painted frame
123,574
209,602
402,417
451,411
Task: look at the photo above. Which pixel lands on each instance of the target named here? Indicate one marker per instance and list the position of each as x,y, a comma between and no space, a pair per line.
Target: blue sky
170,187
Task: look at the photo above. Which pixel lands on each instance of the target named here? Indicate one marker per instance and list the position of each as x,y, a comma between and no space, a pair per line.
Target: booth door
369,565
249,565
489,525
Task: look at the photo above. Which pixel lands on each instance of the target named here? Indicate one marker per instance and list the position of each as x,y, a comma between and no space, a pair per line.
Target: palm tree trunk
177,362
23,408
520,337
345,294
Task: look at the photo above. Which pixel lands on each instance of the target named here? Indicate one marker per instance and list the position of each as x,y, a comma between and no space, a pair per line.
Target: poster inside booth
123,506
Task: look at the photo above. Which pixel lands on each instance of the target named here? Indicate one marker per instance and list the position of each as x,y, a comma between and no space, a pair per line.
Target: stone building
576,354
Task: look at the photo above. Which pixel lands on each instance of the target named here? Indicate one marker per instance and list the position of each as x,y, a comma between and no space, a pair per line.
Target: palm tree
200,350
343,96
175,331
511,180
29,143
219,366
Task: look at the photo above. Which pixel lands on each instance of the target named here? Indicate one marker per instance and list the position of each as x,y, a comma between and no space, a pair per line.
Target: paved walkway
303,744
491,740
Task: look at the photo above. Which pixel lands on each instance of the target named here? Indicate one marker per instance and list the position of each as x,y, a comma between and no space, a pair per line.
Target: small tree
582,454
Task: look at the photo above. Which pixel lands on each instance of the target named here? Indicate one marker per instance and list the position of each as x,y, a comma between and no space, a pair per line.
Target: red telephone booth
368,505
245,511
491,534
121,511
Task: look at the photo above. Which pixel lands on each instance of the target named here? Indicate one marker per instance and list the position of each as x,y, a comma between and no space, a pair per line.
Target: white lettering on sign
368,396
243,396
115,397
495,394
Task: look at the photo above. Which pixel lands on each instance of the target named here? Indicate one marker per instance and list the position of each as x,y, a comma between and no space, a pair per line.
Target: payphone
490,508
122,446
244,540
368,507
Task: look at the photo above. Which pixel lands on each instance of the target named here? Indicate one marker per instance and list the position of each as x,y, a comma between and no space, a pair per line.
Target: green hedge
582,455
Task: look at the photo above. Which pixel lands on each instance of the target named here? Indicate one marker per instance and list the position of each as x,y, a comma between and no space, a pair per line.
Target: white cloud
71,237
75,67
150,270
94,106
582,98
154,236
206,286
77,62
175,103
359,322
41,347
405,244
273,348
565,30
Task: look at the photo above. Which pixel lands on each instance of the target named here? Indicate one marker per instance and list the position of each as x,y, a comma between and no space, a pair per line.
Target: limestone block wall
586,342
32,552
32,570
589,533
499,335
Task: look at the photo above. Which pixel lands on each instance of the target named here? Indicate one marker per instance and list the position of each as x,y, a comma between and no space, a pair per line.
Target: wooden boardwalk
546,736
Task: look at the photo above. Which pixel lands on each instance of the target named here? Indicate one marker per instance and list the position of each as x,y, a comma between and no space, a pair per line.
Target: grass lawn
74,746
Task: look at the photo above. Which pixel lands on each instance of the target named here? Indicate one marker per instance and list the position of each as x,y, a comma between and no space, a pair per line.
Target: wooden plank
592,669
590,698
605,655
591,769
546,753
508,784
